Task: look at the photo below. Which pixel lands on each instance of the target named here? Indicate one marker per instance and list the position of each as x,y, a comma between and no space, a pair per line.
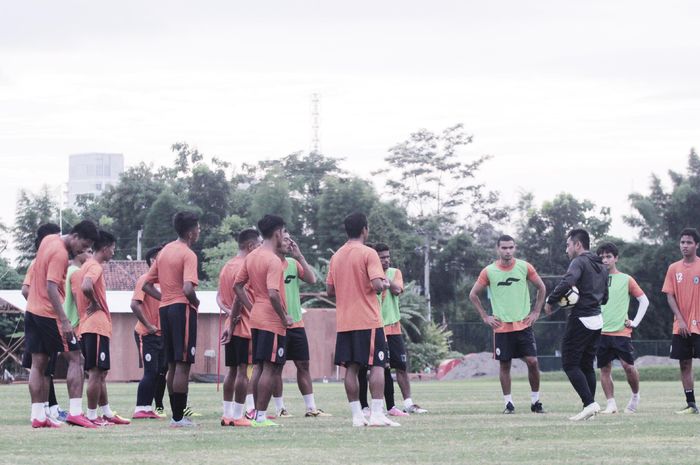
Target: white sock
92,414
635,396
38,412
508,398
228,409
279,403
47,410
534,396
106,411
356,408
408,402
54,410
261,415
147,408
249,402
612,404
75,406
140,408
237,411
309,401
376,406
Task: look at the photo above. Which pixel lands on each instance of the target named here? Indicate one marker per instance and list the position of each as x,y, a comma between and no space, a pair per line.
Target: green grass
465,425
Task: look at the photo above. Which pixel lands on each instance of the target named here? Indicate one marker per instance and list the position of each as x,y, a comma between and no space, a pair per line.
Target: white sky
550,88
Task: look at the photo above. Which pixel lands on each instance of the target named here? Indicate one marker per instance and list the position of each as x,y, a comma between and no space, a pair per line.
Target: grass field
465,425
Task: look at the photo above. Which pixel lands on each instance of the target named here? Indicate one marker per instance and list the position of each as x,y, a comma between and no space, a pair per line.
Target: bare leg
632,376
687,374
75,376
504,376
94,387
181,377
304,377
229,382
240,386
376,382
270,371
352,385
38,388
533,373
404,383
606,381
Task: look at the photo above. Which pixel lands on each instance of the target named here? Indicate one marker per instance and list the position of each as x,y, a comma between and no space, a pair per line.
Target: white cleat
609,410
587,413
366,412
359,421
631,408
379,419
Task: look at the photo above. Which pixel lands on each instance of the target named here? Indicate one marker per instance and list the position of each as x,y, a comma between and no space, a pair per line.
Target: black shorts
151,353
612,347
297,345
364,346
42,335
268,347
95,351
516,344
178,323
50,367
685,348
397,352
239,351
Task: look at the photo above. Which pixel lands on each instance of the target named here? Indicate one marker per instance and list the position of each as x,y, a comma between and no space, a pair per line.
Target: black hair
247,235
151,254
582,236
354,224
692,232
45,230
105,240
268,224
380,247
504,238
184,222
607,247
86,229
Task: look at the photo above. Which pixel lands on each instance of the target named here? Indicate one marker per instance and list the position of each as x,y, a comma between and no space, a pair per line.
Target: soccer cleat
415,408
366,412
99,421
317,413
242,422
379,419
116,420
284,414
52,423
142,415
631,407
691,409
263,424
510,408
359,421
227,421
38,423
80,420
588,412
396,412
62,415
188,412
537,407
183,423
250,414
160,411
610,409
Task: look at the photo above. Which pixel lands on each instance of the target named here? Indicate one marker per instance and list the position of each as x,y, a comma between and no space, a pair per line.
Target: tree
542,231
32,211
271,197
158,227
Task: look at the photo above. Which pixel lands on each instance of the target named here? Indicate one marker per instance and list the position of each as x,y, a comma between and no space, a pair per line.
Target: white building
91,173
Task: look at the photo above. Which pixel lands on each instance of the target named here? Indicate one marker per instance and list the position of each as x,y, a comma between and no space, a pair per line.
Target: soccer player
176,272
47,328
682,289
297,348
391,317
355,277
52,409
149,340
96,329
615,338
580,344
263,272
236,335
513,316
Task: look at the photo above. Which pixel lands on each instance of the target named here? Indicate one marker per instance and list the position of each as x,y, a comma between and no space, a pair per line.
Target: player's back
175,264
51,264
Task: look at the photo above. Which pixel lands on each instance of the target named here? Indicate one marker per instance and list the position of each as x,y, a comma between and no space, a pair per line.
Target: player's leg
270,371
240,389
389,400
148,359
504,378
533,377
606,383
229,382
378,350
93,391
398,360
682,350
575,359
38,390
363,389
269,351
633,380
688,381
278,397
183,335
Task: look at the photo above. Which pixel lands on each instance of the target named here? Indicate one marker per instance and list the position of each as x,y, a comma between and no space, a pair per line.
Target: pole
426,273
139,233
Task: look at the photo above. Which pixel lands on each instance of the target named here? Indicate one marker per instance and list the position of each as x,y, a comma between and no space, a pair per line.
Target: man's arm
55,298
396,284
682,325
567,282
539,301
137,308
89,292
276,301
189,290
221,304
330,290
239,289
25,291
309,276
151,290
641,311
379,284
490,320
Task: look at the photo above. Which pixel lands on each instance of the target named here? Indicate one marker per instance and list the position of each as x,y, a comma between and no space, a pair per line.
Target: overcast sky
583,97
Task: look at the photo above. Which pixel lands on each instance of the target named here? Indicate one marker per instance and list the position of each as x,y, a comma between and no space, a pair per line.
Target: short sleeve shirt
227,278
100,322
175,265
50,265
149,305
683,282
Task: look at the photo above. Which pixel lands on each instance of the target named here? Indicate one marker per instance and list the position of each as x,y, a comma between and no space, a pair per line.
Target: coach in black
579,346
